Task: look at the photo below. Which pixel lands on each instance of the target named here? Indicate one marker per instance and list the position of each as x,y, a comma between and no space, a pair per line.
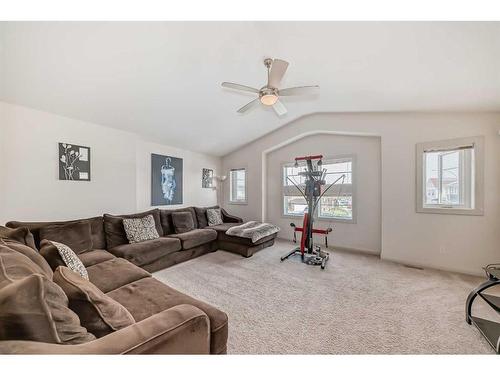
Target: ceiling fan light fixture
271,92
268,99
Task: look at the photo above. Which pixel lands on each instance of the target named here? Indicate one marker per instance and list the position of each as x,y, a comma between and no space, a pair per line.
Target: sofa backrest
166,219
201,215
96,229
34,308
115,232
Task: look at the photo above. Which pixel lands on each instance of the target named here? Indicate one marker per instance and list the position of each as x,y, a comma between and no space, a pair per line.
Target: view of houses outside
331,206
442,177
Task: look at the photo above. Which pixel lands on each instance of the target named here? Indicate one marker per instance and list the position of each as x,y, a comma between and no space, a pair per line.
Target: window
450,176
238,186
336,204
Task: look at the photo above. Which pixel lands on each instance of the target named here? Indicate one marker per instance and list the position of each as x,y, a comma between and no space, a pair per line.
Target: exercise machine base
318,257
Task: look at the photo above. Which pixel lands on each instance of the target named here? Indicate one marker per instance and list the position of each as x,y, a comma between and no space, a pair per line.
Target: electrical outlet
442,249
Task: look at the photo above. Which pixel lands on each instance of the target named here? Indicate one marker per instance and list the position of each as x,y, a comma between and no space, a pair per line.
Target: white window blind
238,188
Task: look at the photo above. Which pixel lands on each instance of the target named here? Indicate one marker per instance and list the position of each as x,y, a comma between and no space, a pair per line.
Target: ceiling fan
270,93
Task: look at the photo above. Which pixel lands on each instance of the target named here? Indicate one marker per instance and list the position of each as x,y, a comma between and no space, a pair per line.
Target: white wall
364,233
120,167
451,242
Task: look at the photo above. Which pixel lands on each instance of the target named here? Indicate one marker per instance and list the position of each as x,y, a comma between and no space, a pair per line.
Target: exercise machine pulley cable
314,180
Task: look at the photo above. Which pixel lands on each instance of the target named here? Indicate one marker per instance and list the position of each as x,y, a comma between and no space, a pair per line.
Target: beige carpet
357,305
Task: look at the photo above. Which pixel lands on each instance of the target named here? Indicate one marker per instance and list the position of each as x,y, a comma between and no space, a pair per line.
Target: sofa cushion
149,296
75,235
222,236
58,254
223,227
140,229
195,237
89,258
32,307
183,221
15,265
33,255
114,273
35,308
167,222
51,255
201,215
115,233
148,251
98,313
21,234
96,227
214,217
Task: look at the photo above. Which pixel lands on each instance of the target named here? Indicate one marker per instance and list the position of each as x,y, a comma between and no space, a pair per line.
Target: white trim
477,172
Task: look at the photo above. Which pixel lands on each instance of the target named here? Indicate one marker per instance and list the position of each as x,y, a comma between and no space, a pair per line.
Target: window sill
239,203
451,211
323,219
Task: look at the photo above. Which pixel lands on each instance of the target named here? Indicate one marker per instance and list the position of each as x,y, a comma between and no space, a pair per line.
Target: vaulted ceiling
162,79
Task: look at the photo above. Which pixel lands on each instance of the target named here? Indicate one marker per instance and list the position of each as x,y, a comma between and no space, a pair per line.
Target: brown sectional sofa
167,321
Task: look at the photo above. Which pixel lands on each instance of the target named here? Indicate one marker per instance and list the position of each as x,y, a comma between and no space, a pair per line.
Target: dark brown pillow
35,308
51,255
115,233
32,307
76,235
183,221
98,313
33,255
201,215
22,235
15,266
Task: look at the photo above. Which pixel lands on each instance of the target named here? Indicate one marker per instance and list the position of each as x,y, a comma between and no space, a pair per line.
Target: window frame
473,193
230,200
326,160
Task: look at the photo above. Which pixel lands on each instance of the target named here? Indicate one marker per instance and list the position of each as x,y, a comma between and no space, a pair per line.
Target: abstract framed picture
74,162
166,180
207,177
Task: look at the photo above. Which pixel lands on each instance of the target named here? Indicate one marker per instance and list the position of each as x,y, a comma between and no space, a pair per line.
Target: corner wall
120,168
449,242
362,234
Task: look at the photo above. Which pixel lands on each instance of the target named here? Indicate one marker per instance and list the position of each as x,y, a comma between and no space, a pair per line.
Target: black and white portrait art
74,162
207,176
166,180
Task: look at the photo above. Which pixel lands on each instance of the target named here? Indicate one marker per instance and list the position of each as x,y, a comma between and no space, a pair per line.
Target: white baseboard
433,267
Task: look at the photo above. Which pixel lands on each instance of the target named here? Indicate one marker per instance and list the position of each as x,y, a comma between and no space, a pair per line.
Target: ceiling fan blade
279,108
297,90
237,86
278,69
247,106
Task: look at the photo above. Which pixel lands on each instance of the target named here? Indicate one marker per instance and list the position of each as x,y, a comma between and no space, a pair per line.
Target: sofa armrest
226,218
182,329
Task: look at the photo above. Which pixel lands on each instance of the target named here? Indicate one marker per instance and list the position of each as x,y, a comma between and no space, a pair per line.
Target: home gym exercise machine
314,181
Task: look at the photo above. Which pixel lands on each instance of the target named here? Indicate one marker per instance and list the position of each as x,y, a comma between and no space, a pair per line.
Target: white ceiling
162,79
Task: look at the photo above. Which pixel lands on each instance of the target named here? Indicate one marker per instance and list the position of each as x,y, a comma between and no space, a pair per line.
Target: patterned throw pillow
214,216
140,229
71,259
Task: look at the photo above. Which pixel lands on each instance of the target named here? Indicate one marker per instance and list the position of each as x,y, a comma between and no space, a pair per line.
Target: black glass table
488,328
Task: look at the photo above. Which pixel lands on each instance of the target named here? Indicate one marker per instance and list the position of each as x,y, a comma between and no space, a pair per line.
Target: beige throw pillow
140,229
71,259
214,216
